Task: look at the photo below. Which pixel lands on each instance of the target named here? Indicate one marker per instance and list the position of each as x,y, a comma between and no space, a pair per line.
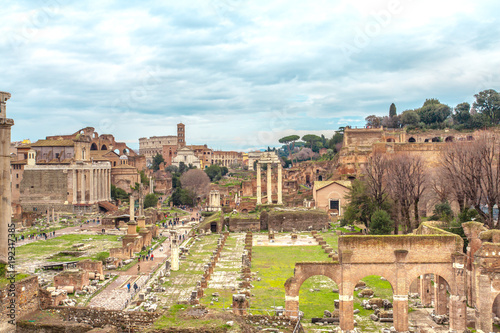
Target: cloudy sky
240,74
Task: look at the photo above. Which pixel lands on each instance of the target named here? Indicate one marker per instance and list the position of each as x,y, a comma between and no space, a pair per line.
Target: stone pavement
227,270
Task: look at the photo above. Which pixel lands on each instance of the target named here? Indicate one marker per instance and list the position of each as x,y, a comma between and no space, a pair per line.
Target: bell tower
181,135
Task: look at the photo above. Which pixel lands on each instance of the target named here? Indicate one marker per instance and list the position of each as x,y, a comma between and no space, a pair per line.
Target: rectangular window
334,204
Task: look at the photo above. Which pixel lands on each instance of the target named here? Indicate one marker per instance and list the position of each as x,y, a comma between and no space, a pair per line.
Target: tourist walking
128,286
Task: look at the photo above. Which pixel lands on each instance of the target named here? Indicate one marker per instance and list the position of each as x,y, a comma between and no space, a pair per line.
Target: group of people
36,236
135,287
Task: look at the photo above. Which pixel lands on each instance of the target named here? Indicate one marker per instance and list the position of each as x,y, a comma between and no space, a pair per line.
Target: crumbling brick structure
400,259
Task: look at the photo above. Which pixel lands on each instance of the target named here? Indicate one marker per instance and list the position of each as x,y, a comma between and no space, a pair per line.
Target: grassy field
275,264
45,248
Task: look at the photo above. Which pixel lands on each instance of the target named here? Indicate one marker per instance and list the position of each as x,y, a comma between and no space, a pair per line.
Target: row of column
269,184
97,181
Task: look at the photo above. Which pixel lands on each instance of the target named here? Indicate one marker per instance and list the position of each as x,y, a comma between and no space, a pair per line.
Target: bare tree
407,181
375,173
196,182
474,169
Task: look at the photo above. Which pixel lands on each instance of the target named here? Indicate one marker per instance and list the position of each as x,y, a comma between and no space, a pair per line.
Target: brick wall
301,220
26,301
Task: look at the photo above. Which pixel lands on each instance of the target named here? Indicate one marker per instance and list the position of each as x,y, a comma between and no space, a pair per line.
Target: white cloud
238,73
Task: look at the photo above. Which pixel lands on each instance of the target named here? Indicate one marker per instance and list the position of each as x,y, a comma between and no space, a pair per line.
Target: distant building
227,158
330,196
150,147
186,156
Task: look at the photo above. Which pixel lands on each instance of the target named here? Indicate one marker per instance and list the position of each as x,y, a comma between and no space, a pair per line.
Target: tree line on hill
484,112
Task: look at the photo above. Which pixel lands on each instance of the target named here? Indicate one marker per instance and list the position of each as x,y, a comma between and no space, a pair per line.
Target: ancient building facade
150,147
58,152
74,186
360,143
5,190
227,158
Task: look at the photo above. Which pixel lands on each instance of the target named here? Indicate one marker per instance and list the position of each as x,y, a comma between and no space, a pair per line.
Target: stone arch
412,140
436,139
320,178
390,140
495,304
302,272
426,140
449,139
386,271
443,270
93,146
125,151
103,147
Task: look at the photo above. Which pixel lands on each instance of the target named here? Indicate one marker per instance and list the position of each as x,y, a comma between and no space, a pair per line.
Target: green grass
331,239
43,248
275,265
4,281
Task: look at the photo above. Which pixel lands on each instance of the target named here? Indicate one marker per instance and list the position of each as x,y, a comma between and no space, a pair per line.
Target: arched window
93,146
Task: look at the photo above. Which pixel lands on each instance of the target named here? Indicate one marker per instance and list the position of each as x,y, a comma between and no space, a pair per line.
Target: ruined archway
449,139
390,140
429,290
412,140
103,147
318,294
93,146
373,295
302,272
436,139
400,259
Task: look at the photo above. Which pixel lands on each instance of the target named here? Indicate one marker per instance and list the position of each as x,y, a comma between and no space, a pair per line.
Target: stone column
280,185
174,251
269,184
151,189
484,304
425,289
82,187
440,298
75,187
259,184
458,309
346,288
132,208
53,215
400,297
101,185
48,215
108,189
92,185
5,187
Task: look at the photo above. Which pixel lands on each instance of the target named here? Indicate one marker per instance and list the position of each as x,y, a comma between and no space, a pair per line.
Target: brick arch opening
433,290
302,272
93,146
400,259
412,139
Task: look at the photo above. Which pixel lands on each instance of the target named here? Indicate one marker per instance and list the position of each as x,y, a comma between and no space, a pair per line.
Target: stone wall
75,278
299,220
239,225
135,321
26,301
91,266
44,189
